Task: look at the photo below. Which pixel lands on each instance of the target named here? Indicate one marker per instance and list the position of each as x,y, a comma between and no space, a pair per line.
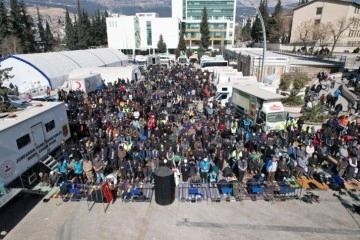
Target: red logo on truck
275,107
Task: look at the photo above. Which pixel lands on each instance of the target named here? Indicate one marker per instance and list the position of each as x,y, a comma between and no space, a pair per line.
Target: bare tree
338,28
321,33
305,33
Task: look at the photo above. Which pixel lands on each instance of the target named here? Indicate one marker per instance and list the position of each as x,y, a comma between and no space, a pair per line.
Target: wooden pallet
355,184
349,186
304,183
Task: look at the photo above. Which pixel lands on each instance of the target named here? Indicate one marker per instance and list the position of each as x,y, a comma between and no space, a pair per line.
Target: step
52,164
47,160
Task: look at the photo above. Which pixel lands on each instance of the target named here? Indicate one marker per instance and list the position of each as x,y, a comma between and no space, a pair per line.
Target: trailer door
37,133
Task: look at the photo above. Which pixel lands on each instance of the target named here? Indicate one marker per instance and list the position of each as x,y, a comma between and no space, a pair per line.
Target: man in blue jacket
63,169
78,170
204,170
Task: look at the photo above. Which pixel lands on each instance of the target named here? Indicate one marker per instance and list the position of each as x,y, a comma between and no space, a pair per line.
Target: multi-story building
331,12
244,19
141,32
221,20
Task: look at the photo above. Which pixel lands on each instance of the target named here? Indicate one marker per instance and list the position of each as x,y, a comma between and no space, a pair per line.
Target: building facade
328,12
141,32
221,19
249,62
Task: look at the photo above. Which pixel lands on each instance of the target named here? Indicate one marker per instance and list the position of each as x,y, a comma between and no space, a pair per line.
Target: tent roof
55,64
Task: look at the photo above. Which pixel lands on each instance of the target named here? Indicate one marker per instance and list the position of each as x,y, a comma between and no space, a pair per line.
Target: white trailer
87,82
153,60
30,136
112,74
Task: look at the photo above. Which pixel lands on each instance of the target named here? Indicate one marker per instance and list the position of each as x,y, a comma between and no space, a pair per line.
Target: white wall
177,9
121,32
169,28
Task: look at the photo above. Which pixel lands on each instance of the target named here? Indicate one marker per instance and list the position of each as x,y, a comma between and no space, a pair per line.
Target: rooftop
30,111
293,60
261,93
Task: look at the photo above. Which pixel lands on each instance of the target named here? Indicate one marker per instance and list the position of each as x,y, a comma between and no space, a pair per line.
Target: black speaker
164,186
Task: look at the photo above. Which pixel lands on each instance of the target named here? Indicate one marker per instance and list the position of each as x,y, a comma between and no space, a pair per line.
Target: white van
183,59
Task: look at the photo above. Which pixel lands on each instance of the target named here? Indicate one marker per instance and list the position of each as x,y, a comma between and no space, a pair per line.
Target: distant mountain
162,7
271,3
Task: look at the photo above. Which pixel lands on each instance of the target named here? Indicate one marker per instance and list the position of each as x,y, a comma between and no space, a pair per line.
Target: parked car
44,99
14,100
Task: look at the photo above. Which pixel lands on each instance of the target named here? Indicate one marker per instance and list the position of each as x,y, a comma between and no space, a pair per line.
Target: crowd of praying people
124,131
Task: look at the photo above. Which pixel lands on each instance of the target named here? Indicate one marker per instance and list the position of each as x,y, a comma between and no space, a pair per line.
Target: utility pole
264,40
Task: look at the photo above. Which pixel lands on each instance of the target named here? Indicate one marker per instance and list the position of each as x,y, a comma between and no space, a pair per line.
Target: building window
23,141
319,10
230,34
317,21
50,126
148,33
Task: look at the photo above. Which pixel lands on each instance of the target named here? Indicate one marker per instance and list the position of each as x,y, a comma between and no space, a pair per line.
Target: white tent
34,72
111,74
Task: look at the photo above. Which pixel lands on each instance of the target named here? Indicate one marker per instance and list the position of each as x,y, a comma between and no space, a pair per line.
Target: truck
224,90
257,103
145,61
183,59
211,65
165,60
87,82
30,136
141,60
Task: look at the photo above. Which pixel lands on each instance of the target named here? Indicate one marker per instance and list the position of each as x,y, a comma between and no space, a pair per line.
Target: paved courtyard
332,218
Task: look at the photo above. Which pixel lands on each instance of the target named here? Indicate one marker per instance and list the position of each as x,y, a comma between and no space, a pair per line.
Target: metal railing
335,58
235,191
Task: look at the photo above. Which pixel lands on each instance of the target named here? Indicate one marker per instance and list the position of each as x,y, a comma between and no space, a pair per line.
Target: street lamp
264,39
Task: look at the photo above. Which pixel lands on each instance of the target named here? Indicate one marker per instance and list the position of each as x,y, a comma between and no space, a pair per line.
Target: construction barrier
105,193
234,191
192,192
135,192
227,191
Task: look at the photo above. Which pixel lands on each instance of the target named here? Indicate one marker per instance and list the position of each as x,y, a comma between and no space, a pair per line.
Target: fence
134,192
235,191
335,58
105,193
192,192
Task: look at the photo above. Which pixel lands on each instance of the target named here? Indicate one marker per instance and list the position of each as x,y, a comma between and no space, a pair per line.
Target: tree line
84,32
20,34
277,25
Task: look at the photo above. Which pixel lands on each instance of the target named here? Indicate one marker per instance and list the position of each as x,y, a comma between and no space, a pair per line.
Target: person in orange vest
48,91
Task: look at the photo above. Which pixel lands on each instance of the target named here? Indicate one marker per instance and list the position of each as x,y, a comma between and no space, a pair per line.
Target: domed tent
34,72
